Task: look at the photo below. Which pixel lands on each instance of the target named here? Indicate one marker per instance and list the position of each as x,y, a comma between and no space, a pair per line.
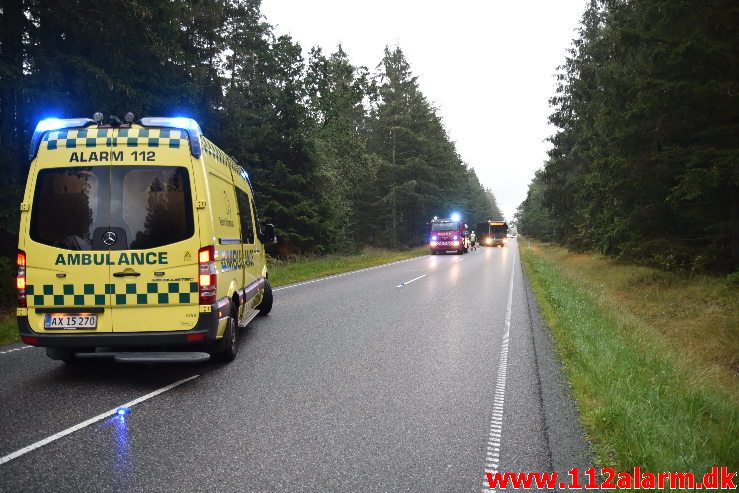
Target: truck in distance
493,233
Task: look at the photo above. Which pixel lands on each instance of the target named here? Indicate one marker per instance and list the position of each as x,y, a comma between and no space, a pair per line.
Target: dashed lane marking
408,282
492,458
14,349
347,273
57,436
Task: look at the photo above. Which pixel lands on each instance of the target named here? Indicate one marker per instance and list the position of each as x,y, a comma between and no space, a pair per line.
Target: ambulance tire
231,336
266,305
460,252
63,354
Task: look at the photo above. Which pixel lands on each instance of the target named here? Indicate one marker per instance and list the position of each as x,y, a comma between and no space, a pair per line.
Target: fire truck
449,235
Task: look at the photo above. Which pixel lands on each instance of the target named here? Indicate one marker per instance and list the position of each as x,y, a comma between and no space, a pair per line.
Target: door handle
126,273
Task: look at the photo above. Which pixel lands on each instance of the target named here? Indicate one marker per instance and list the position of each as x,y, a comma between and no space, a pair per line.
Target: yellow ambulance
139,241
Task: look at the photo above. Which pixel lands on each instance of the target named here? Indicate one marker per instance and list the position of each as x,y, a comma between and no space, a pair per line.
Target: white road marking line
14,349
408,282
347,273
460,259
90,421
496,418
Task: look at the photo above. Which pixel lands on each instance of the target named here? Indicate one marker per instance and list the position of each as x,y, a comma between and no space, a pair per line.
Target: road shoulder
568,444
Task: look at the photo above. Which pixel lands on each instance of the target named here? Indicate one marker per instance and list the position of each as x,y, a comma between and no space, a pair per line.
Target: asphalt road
359,382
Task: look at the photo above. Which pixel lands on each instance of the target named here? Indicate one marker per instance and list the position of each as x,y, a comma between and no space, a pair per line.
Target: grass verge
284,272
8,328
651,358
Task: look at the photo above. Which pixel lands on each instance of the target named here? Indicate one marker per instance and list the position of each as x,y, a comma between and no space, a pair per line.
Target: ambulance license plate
61,321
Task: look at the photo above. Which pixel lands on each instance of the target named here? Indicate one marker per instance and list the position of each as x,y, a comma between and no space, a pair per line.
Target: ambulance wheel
64,354
231,337
266,305
60,354
460,252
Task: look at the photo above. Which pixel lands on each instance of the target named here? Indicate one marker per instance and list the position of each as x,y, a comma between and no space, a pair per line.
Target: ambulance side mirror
268,236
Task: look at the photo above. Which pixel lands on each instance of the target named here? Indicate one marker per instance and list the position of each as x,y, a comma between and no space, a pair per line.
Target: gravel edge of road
568,443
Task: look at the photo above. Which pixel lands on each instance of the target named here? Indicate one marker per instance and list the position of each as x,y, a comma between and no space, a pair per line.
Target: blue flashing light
182,122
434,238
456,217
455,237
49,124
187,124
170,122
122,411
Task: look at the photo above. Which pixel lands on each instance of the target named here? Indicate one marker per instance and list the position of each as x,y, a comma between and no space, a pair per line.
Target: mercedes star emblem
109,238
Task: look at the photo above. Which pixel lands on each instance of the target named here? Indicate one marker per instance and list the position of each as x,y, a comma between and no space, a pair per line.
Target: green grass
283,272
8,328
647,396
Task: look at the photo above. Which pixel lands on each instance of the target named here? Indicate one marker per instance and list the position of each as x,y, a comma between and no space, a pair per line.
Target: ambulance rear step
148,357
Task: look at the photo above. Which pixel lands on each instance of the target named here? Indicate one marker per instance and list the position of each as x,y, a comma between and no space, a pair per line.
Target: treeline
340,157
645,162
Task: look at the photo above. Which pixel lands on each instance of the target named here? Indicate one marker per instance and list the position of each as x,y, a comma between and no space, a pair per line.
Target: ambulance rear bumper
207,325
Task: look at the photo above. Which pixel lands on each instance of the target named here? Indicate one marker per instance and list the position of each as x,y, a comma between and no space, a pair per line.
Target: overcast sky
487,65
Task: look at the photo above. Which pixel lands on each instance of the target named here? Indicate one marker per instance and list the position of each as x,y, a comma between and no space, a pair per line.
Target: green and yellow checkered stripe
151,293
81,138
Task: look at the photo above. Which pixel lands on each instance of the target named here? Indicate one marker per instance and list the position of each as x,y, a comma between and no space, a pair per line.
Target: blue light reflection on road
122,462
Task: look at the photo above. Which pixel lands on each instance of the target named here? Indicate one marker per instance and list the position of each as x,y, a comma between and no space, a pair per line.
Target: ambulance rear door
61,236
154,276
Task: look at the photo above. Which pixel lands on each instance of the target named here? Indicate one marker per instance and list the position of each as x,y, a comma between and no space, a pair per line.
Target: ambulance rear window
157,209
144,206
67,206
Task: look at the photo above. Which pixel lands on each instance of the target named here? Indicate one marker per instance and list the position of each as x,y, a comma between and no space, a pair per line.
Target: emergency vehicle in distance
493,233
449,235
140,238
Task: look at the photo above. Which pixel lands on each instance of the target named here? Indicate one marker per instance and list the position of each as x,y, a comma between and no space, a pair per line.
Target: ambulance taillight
20,281
207,278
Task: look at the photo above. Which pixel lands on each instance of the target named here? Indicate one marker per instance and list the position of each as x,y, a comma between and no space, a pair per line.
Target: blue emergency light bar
49,124
187,124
